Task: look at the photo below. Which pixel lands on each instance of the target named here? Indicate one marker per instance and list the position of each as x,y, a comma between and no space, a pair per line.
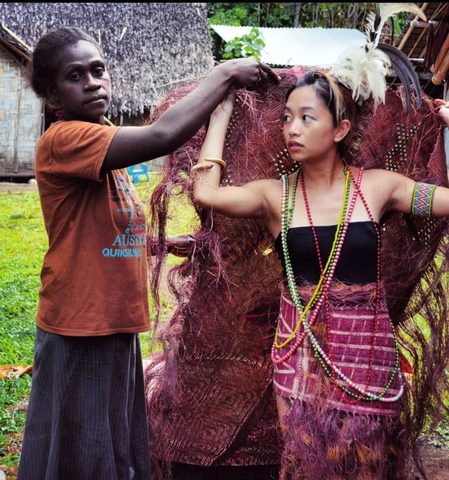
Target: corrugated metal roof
299,46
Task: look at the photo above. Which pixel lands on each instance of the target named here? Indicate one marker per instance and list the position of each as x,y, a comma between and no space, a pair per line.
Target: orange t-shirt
94,275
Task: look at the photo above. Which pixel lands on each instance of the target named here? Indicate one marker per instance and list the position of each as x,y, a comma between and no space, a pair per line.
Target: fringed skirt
87,415
332,433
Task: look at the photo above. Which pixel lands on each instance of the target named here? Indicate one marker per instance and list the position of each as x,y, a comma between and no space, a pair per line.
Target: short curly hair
43,68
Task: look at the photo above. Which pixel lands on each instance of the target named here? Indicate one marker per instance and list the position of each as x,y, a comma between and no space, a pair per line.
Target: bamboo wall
20,121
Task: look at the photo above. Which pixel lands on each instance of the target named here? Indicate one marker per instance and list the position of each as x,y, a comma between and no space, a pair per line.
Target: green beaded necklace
287,215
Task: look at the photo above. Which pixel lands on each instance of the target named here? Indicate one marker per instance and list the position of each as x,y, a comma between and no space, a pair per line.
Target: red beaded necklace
317,298
326,296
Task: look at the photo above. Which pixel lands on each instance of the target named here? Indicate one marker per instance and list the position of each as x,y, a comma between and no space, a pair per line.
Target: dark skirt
87,416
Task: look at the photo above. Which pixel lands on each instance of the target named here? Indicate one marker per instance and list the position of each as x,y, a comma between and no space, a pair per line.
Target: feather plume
376,20
364,71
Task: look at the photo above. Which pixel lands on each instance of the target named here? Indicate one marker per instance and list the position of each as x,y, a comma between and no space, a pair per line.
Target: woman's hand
443,110
178,245
248,72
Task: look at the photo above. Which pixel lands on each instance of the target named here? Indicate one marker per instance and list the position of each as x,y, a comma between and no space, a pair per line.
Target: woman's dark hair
337,99
43,68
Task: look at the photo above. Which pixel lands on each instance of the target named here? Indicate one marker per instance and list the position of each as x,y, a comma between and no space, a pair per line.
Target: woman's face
83,85
308,129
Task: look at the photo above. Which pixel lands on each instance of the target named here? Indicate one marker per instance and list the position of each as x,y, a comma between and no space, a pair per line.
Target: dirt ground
435,449
18,187
436,460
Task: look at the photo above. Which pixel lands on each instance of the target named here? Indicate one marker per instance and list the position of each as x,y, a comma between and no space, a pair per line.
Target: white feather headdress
364,70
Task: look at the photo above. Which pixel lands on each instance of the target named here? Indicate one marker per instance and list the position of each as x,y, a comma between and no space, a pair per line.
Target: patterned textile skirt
329,433
87,415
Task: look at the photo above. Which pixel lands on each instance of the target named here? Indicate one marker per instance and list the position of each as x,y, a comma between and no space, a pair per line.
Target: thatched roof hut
151,48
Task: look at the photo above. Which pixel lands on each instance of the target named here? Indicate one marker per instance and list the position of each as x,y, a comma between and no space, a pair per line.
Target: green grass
23,246
24,242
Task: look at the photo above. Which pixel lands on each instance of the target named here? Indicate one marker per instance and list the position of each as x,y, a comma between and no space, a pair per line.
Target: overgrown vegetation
24,243
249,45
305,15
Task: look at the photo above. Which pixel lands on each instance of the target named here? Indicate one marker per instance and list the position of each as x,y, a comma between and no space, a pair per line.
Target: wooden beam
417,23
16,38
441,55
440,73
9,45
411,28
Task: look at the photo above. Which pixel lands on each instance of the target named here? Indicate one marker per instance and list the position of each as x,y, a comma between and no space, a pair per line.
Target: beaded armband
422,199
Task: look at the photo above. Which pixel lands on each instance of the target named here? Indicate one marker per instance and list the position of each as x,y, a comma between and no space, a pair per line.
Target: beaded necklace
285,225
323,285
326,360
316,299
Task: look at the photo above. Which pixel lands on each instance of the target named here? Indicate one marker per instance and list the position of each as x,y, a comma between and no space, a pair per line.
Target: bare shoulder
383,177
378,173
390,190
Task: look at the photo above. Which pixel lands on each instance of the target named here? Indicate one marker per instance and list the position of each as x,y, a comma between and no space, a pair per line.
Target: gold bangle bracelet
200,166
216,160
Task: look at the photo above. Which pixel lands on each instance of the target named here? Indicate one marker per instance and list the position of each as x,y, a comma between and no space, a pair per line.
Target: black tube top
358,258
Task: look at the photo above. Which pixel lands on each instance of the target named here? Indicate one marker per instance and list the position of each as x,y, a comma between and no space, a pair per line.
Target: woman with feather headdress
347,410
350,200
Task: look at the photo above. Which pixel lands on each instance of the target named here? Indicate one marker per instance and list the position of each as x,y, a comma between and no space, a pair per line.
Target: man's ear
342,130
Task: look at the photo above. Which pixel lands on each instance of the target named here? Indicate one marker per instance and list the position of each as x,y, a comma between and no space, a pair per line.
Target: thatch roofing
14,46
150,48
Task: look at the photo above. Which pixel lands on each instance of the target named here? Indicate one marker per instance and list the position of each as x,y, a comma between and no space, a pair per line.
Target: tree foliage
249,45
292,15
277,15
